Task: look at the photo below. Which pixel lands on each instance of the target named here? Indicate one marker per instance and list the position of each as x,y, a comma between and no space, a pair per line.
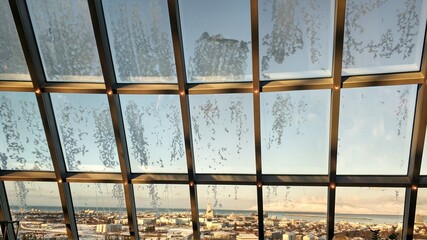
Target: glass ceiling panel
223,133
295,132
294,210
163,210
226,211
424,159
295,38
66,40
154,133
100,209
383,36
216,37
86,132
38,208
140,40
362,210
375,129
23,144
420,228
12,61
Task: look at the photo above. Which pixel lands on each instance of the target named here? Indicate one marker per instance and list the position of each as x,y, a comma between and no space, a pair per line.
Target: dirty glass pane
154,133
222,133
66,41
23,144
86,132
295,38
295,132
140,40
216,37
383,36
375,129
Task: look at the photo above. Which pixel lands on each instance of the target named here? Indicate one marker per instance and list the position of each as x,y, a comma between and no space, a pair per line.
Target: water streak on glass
154,133
86,132
295,38
140,40
383,36
66,41
22,134
375,129
295,132
216,37
12,61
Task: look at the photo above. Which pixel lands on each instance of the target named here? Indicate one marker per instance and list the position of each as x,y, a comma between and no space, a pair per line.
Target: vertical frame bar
5,214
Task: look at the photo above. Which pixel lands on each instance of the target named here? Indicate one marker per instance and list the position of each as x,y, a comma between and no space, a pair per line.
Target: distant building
209,211
246,236
419,218
114,228
289,236
309,237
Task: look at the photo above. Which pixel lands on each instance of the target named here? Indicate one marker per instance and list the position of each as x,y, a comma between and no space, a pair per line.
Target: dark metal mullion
340,7
178,49
32,56
106,60
5,214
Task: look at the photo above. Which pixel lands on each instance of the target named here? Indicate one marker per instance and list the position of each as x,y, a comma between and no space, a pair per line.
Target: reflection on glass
86,132
66,40
141,41
12,61
295,132
383,36
420,227
222,133
24,145
368,212
375,129
294,211
154,133
163,211
295,38
38,208
227,212
100,210
216,36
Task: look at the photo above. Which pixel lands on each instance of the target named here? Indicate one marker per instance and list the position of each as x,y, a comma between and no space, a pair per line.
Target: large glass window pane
227,212
100,210
367,212
295,38
375,129
154,133
424,159
86,132
216,36
141,41
295,132
383,36
38,208
66,40
295,212
420,227
222,133
163,211
23,144
12,61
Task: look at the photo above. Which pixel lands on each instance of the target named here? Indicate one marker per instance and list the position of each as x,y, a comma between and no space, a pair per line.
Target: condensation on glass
383,36
24,145
163,210
66,41
100,210
217,40
86,132
295,38
154,133
228,211
420,227
295,132
141,41
223,133
12,62
375,129
294,212
38,208
367,212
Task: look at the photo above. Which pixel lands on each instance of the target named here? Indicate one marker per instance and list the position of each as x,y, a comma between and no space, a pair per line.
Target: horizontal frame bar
383,80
